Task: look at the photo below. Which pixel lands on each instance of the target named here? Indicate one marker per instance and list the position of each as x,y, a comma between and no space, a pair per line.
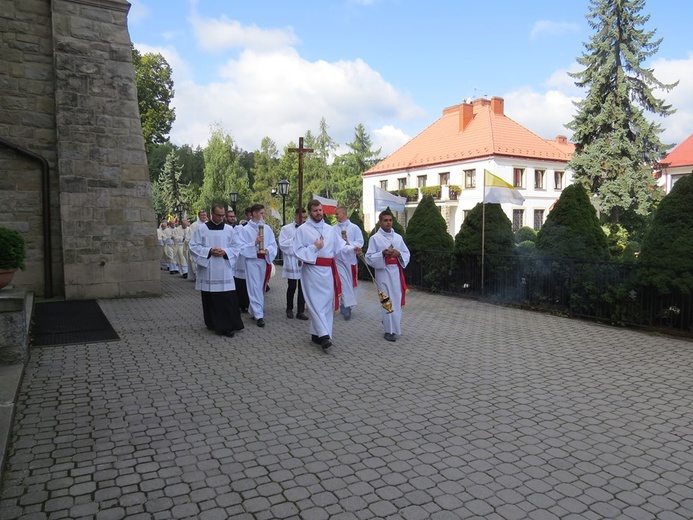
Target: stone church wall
71,98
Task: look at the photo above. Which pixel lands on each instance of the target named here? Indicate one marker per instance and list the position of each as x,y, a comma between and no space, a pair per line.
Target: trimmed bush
572,229
525,233
667,250
12,249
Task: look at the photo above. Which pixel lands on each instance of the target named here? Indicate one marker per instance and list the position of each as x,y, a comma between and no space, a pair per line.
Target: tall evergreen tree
347,170
168,191
616,147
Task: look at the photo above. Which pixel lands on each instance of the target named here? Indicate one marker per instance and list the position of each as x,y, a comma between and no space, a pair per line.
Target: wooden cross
300,151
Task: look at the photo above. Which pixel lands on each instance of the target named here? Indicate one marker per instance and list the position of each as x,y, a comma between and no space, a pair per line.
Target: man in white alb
347,261
316,244
388,255
291,267
259,248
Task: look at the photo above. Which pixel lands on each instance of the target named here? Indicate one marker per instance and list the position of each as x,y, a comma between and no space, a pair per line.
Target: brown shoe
301,316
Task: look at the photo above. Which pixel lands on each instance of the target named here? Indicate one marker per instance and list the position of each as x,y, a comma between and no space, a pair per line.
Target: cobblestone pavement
477,411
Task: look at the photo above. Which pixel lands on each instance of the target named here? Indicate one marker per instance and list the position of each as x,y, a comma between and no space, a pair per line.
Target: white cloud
281,95
181,70
545,113
221,34
389,139
678,126
551,28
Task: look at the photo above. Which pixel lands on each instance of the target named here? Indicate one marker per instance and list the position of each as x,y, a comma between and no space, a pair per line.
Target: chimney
561,139
497,105
466,115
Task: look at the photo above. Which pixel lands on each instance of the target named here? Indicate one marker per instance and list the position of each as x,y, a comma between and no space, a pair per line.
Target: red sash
391,260
268,271
336,282
354,274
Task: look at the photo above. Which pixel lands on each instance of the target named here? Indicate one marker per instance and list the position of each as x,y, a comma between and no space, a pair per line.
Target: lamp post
234,198
283,186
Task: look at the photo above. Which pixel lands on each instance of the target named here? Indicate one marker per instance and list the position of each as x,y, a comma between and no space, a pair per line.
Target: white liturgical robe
387,275
214,273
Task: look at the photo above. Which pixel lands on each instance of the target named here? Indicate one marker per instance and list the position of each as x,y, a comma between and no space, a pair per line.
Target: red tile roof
682,155
471,131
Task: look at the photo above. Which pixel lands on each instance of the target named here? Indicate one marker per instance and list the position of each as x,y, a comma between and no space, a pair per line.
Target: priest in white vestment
259,249
388,255
161,238
169,250
347,263
316,245
180,248
214,247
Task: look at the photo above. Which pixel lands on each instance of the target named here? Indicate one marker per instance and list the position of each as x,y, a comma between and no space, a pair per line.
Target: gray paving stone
477,411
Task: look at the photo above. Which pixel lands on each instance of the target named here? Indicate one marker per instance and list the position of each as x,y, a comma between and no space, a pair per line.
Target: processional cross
301,152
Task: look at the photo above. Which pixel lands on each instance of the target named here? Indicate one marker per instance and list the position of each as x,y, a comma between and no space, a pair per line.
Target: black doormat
70,322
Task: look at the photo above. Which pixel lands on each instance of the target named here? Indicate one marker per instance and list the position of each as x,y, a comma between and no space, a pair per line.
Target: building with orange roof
678,163
449,157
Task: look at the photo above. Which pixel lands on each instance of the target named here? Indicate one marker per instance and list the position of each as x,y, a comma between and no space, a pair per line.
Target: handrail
46,222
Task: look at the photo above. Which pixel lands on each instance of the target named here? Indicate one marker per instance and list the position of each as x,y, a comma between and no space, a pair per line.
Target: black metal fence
608,292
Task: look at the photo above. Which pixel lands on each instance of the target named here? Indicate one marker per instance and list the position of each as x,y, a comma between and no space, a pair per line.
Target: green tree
430,243
266,171
493,224
572,228
667,250
170,189
223,172
427,229
524,234
616,146
153,77
346,172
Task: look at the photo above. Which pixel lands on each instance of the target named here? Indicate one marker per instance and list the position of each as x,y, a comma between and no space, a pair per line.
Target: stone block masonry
69,94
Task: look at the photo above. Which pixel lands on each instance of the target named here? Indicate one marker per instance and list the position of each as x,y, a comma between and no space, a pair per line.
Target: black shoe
301,316
290,314
267,288
244,309
173,272
228,333
261,322
315,339
185,275
390,337
325,342
347,313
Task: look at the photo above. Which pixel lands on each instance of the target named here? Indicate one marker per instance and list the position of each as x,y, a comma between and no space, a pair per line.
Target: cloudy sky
275,67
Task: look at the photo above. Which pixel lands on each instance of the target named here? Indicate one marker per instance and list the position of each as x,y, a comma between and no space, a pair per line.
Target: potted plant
12,254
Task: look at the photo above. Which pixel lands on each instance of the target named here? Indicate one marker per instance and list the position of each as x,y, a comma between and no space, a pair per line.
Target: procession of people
231,263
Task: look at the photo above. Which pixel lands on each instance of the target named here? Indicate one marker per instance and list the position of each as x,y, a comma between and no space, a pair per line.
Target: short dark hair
312,203
219,206
256,207
384,213
299,210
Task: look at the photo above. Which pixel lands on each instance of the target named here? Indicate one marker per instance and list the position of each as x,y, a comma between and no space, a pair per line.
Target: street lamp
234,198
283,186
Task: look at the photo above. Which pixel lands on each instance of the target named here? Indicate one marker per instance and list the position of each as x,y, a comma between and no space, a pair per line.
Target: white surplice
256,268
214,273
347,261
290,267
387,275
317,281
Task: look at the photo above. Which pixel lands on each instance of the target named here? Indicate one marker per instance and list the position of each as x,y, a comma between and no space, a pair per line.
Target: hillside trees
223,172
616,146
